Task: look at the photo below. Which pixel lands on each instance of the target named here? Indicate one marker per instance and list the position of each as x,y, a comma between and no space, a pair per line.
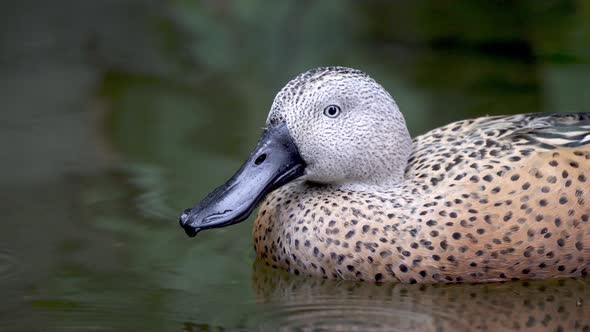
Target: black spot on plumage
514,158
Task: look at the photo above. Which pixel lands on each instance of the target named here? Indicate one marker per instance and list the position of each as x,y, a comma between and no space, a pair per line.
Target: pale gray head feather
367,146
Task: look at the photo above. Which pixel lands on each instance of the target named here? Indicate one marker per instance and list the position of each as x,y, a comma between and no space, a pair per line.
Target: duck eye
332,111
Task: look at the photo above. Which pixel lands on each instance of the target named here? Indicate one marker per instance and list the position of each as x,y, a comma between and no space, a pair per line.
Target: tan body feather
490,199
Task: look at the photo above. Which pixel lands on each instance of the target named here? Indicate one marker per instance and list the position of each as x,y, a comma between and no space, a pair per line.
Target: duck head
334,126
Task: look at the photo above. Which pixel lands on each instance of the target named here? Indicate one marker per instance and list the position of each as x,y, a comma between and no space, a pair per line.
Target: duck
344,192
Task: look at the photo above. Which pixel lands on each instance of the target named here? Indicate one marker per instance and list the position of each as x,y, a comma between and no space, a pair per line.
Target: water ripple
8,264
347,316
292,303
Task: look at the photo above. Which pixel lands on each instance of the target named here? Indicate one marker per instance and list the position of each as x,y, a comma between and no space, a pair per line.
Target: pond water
116,115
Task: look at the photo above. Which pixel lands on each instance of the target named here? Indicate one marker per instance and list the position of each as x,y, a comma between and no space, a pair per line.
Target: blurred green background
116,115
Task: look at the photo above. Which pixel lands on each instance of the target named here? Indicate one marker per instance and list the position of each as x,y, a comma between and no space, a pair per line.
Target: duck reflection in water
306,303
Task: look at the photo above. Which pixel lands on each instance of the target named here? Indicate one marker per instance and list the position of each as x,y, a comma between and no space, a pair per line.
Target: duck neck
385,171
372,185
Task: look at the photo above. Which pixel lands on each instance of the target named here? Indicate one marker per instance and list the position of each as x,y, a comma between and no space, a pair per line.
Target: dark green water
116,115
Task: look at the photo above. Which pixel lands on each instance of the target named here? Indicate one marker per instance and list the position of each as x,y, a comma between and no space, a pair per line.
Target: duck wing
551,131
471,146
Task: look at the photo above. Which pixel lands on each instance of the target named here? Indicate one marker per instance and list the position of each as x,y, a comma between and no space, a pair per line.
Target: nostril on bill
260,159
